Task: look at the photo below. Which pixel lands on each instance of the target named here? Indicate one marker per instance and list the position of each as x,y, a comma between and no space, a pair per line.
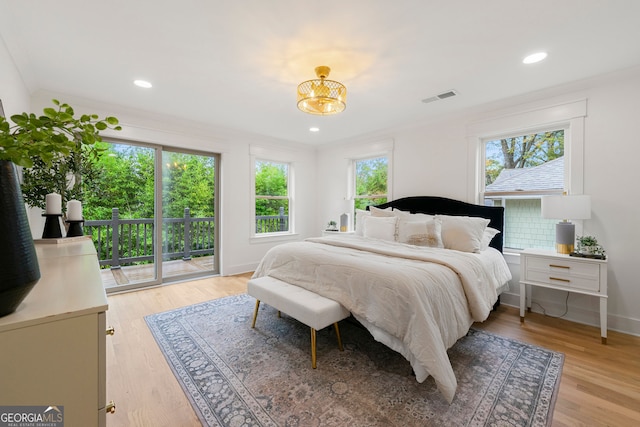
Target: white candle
74,210
53,204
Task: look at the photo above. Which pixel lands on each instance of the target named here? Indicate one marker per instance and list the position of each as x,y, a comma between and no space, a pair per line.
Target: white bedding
417,300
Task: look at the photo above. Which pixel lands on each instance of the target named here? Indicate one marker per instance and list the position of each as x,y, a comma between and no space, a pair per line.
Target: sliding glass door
188,212
151,214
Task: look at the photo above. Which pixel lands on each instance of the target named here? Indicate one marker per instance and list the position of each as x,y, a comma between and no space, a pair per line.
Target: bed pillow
487,236
420,232
360,216
381,212
413,216
383,228
463,233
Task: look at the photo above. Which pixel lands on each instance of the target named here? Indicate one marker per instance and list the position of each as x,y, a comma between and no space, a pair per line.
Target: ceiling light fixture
314,129
142,83
321,96
535,57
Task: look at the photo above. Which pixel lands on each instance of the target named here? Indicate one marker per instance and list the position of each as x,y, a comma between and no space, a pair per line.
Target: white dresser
53,347
558,271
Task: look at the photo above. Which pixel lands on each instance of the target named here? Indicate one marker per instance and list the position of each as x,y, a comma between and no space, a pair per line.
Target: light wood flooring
600,384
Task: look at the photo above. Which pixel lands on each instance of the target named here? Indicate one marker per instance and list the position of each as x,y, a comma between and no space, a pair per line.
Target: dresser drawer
563,273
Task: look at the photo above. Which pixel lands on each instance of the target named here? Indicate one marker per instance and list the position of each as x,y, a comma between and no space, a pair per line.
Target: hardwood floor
600,384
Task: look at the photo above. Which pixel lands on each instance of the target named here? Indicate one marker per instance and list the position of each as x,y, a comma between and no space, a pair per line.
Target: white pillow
380,212
487,236
360,216
413,216
383,228
463,233
420,233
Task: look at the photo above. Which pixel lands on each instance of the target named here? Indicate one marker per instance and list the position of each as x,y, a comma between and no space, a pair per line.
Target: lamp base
564,248
565,237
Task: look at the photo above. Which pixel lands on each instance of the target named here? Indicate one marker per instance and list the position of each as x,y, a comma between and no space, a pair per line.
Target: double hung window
272,197
518,171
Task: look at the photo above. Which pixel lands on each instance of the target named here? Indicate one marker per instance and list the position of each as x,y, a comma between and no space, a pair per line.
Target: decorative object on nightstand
547,269
566,208
332,226
588,247
344,222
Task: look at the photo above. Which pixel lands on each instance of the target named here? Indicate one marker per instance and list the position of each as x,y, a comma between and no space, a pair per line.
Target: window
518,171
370,181
272,197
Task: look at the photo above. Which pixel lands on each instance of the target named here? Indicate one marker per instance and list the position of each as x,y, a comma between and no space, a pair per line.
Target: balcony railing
133,239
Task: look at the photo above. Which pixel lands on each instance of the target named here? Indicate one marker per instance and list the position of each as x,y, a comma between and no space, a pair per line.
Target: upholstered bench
313,310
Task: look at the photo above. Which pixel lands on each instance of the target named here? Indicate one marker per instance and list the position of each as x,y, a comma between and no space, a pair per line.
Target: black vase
19,270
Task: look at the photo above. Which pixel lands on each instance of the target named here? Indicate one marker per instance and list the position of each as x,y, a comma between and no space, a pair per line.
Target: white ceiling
236,64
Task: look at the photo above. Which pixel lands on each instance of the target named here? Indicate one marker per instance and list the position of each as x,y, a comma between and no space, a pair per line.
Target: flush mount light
142,83
535,57
321,96
314,129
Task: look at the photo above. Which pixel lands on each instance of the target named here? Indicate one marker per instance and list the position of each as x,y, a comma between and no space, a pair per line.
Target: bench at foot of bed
313,310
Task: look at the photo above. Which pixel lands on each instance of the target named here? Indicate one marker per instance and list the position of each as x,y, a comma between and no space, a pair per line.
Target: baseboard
239,269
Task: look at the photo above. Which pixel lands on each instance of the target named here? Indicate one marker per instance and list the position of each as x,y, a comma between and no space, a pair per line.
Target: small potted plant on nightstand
589,246
332,226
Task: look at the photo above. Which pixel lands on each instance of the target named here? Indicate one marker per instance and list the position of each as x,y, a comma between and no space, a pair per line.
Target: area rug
238,376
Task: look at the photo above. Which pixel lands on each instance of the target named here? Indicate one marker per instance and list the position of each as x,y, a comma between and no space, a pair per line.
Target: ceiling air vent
443,95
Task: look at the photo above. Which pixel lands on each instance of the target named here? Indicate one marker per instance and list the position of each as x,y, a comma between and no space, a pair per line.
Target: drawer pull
559,266
111,407
110,330
560,280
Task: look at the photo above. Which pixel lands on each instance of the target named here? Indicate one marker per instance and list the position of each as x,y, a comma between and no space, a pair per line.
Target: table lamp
566,208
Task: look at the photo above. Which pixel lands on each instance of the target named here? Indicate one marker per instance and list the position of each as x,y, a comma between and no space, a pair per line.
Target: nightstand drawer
563,273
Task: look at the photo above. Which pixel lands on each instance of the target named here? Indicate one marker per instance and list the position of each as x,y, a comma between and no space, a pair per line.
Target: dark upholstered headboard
433,205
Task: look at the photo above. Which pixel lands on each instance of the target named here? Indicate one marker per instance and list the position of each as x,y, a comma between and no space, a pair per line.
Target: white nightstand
549,269
336,233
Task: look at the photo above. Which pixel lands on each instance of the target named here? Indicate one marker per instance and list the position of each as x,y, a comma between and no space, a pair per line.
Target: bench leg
255,313
313,348
335,325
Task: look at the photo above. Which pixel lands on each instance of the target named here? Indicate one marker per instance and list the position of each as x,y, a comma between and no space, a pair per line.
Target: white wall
433,160
13,92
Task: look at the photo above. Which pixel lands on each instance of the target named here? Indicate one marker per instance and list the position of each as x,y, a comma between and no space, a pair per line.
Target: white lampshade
566,207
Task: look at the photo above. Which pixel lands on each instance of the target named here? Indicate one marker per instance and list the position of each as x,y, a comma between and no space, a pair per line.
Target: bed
417,272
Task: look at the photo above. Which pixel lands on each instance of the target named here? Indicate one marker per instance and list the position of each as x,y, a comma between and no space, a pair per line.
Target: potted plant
43,140
332,226
588,245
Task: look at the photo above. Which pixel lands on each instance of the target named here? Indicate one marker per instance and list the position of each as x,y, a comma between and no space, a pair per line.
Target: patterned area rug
238,376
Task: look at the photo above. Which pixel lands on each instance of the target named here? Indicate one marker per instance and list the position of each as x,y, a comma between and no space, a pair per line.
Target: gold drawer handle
559,279
559,266
111,407
110,330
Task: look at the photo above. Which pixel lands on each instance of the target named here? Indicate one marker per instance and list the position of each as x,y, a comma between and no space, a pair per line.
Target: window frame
354,178
569,116
288,197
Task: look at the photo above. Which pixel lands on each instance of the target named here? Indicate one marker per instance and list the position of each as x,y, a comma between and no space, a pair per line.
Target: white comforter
418,301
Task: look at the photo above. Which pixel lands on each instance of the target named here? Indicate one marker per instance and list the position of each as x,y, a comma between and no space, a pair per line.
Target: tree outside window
272,197
370,182
518,172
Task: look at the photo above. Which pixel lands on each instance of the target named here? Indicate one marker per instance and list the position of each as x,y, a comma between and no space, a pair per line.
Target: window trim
569,116
290,197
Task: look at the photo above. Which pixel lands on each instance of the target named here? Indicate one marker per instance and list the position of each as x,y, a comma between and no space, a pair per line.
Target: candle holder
52,226
75,227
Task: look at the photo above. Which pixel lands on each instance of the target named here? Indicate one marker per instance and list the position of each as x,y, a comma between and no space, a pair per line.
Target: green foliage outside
371,182
522,152
124,179
271,180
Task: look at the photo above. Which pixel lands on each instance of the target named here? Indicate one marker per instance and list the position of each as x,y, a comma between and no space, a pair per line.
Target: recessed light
142,83
314,129
535,57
